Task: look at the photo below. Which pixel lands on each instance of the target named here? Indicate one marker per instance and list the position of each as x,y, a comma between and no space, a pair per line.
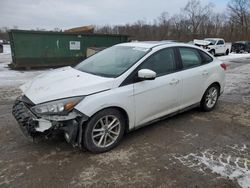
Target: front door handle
174,82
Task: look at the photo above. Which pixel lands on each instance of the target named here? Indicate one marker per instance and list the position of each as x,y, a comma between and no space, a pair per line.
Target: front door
159,97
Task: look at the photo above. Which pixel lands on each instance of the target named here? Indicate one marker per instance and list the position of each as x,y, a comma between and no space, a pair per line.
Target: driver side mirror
146,74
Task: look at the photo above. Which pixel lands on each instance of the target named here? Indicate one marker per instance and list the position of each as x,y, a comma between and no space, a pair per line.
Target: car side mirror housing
146,74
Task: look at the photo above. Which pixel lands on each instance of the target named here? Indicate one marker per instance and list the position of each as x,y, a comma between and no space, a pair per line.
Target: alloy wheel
211,97
106,131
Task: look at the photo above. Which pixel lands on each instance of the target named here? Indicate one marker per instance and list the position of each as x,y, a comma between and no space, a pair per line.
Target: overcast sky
49,14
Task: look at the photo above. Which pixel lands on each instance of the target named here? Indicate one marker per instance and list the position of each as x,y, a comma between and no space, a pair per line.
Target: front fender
121,97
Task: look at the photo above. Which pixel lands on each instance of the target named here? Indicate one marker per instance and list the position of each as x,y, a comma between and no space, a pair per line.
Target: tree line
195,21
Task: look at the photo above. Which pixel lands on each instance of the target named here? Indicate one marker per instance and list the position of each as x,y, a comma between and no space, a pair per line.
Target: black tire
204,104
227,52
89,140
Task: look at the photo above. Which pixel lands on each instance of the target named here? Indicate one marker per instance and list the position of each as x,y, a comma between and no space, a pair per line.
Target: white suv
118,90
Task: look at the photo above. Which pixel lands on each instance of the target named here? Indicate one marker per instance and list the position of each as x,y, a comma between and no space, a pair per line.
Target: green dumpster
32,49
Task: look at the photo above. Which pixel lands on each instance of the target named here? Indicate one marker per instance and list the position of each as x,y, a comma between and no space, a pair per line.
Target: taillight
224,66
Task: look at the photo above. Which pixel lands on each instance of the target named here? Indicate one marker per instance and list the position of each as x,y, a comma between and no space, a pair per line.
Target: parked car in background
241,47
4,41
1,48
117,90
215,46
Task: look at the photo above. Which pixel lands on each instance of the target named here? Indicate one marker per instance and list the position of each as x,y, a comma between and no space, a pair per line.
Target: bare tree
194,21
196,15
239,13
164,26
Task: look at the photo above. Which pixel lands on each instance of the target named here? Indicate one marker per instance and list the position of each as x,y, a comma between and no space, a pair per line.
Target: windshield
211,41
113,61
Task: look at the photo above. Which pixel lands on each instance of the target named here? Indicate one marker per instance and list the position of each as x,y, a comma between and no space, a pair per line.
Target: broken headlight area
46,120
57,107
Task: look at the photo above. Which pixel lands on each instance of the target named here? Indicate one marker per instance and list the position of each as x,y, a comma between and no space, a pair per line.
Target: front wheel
104,131
212,52
210,98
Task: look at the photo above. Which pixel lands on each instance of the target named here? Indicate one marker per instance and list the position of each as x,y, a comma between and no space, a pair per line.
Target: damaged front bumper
34,126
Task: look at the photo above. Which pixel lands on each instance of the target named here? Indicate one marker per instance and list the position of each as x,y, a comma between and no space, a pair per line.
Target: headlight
58,107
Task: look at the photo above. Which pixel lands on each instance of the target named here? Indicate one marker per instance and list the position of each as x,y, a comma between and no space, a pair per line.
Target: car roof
149,44
156,44
242,41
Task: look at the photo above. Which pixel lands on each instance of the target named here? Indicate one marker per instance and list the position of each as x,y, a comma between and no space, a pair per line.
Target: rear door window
190,57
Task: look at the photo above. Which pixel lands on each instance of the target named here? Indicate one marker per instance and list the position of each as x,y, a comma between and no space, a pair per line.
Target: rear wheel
210,98
227,52
104,131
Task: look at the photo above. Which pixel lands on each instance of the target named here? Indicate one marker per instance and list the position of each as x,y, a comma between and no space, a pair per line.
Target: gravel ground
193,149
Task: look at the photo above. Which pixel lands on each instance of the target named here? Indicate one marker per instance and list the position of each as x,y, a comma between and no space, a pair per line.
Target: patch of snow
6,49
239,148
190,136
234,168
10,77
237,84
233,56
13,78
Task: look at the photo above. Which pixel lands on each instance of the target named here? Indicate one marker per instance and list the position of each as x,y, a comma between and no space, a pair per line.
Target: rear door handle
174,82
205,73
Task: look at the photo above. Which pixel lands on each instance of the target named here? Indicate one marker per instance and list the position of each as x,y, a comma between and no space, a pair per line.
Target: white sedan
118,90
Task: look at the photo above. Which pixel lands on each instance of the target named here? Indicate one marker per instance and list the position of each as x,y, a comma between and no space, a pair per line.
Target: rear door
194,75
159,97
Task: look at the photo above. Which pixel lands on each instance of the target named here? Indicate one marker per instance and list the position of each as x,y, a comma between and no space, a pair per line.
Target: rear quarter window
205,57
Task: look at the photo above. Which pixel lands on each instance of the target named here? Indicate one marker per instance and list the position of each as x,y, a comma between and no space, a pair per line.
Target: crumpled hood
62,83
202,42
